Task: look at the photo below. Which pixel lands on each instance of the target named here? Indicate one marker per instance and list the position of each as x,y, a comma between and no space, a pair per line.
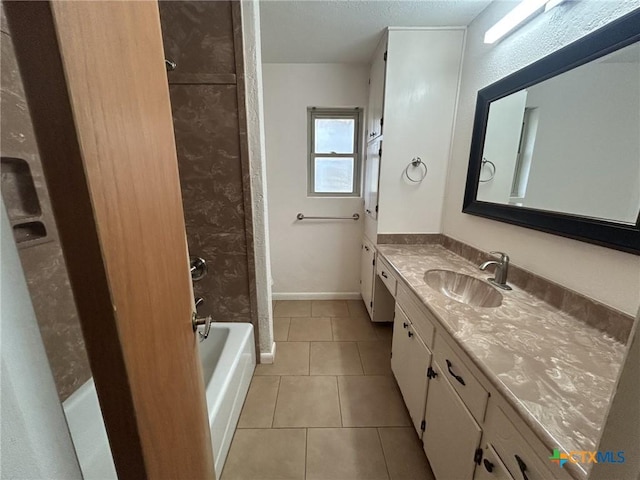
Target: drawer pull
488,465
366,248
405,324
384,274
522,466
410,333
431,373
460,379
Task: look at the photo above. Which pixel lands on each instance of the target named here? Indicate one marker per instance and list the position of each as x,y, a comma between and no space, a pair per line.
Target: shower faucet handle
205,322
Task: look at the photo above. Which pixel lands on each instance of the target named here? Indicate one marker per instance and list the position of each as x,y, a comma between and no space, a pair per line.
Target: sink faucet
502,269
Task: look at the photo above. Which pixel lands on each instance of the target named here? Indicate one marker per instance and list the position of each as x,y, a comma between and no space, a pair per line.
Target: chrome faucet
502,269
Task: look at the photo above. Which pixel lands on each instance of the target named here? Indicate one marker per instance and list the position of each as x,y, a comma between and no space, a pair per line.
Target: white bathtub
228,360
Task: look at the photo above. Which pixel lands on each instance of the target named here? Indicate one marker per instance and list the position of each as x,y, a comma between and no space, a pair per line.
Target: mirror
556,145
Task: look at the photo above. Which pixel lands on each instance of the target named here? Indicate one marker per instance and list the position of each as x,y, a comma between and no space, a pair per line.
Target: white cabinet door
367,272
452,435
409,362
376,91
491,467
371,178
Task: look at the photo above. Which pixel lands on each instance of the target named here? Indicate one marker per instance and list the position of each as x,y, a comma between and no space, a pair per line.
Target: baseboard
317,296
268,357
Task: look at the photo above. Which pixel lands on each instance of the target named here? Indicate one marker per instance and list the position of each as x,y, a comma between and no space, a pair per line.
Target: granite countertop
557,372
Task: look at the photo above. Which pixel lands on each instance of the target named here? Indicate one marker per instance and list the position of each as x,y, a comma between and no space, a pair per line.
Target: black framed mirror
556,145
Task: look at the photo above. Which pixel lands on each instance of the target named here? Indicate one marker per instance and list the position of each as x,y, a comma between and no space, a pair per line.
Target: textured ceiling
311,31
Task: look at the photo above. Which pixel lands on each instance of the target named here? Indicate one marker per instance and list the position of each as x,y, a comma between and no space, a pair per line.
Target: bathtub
228,360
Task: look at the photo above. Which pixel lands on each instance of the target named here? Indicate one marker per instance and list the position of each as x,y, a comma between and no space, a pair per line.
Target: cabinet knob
488,465
405,324
384,274
410,333
431,373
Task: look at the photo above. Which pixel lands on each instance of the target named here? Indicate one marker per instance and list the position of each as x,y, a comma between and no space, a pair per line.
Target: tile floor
329,407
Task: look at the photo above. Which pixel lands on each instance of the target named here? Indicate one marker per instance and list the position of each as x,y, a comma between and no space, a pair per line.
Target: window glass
334,135
334,175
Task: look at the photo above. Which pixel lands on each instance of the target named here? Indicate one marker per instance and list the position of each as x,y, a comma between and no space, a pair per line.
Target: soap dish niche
29,233
18,189
21,201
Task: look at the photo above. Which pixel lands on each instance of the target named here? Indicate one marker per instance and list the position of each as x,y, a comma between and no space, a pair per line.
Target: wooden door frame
79,198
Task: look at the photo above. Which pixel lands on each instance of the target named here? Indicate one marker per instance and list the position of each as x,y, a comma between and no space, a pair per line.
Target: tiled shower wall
27,201
204,39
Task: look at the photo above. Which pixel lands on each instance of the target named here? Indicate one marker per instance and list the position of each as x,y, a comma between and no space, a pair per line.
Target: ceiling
347,31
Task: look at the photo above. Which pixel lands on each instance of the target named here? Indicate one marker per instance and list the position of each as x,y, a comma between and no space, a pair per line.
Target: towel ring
415,163
493,170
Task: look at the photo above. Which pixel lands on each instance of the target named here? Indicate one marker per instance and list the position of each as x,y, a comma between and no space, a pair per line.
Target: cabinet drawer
472,393
419,318
384,271
512,448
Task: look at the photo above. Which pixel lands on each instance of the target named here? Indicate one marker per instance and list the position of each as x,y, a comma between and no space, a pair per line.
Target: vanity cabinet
452,435
410,359
367,274
452,404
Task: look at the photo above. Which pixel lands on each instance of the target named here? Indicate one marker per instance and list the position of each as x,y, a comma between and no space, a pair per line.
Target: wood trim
38,55
176,78
95,81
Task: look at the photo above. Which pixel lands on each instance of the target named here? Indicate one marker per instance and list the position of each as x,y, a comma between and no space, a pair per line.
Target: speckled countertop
555,370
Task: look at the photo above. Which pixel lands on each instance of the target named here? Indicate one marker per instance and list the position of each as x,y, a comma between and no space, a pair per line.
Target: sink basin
463,288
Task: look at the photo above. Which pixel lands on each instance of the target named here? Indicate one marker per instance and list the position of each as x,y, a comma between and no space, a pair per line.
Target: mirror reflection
570,144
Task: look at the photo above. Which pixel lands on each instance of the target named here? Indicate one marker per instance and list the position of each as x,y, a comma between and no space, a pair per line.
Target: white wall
501,147
423,67
586,157
604,274
258,168
309,259
35,442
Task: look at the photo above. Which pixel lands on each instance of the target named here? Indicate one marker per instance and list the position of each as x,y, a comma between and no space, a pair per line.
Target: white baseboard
317,296
268,357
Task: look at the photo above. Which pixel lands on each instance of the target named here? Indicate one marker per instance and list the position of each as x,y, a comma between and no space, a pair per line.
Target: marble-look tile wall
207,98
607,319
41,257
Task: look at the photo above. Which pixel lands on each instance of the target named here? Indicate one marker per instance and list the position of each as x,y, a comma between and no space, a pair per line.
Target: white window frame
350,113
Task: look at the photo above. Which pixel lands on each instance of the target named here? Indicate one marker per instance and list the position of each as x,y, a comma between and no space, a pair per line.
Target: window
334,152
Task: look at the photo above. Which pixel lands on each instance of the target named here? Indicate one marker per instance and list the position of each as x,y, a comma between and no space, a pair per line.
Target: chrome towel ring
492,167
416,162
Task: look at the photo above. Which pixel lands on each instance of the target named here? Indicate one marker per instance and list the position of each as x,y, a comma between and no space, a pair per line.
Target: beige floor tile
260,403
404,455
310,329
281,329
384,331
352,329
266,454
345,454
307,402
292,358
375,356
292,308
372,401
329,308
357,309
335,358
